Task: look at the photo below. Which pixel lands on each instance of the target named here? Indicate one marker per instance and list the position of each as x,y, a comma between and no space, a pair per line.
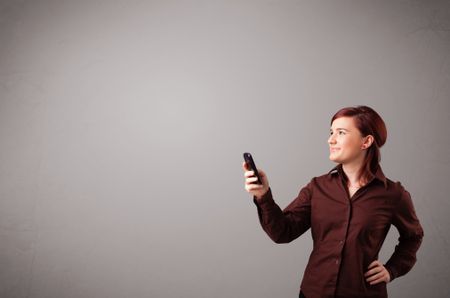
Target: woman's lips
334,149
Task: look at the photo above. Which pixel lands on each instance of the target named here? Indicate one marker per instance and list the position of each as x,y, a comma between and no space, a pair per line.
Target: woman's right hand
251,185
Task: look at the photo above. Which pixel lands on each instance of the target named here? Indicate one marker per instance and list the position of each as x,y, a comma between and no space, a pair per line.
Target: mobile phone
249,160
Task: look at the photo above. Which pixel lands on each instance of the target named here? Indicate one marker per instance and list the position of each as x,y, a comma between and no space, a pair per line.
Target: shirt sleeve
411,234
283,226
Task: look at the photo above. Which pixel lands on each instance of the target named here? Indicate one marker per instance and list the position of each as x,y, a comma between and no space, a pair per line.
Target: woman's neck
351,170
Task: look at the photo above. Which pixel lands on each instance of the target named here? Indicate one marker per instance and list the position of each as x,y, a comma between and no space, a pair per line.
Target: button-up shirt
347,232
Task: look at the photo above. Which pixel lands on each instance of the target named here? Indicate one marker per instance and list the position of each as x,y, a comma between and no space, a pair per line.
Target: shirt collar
378,174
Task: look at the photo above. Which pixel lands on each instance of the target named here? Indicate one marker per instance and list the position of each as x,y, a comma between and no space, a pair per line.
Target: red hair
368,122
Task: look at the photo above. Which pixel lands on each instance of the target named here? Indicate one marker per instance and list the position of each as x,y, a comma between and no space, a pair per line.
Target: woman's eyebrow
340,129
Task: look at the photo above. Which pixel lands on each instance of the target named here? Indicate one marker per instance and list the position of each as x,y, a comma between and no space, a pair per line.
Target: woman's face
346,142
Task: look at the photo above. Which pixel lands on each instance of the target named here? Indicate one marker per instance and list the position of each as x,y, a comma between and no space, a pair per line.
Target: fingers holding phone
256,181
252,184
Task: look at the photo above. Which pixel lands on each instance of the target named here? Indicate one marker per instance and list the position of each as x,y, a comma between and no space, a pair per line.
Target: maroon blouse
347,232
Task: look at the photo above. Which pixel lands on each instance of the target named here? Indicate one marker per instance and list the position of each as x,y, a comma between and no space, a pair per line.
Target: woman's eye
342,133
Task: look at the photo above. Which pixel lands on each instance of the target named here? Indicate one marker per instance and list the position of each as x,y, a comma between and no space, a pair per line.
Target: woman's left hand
377,273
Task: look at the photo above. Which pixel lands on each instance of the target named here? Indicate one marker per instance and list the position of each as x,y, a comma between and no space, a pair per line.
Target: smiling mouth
334,149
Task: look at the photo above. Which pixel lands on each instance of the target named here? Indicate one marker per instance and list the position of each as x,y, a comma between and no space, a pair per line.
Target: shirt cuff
266,198
392,274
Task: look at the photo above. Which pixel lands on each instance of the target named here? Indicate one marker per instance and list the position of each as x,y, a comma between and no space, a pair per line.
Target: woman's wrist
263,196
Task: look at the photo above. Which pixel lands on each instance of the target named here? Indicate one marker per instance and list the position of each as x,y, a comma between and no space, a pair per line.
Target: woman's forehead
344,123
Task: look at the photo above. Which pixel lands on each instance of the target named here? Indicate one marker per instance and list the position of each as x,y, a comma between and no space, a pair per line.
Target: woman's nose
331,140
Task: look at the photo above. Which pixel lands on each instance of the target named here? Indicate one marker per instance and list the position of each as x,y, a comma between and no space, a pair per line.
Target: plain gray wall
123,123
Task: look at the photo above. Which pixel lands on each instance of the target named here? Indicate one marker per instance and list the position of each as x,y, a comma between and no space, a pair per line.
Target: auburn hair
368,122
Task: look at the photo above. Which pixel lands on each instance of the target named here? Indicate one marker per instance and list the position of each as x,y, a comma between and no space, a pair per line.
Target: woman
349,211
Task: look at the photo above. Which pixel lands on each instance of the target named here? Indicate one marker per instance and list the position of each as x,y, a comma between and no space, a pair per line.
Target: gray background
123,123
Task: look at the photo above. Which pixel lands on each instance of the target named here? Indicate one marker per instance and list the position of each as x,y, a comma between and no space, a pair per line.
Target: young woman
349,210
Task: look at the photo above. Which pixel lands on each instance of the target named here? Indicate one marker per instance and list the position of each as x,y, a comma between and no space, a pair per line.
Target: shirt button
341,242
337,261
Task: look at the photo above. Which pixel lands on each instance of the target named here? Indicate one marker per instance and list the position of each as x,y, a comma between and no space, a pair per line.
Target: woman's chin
334,159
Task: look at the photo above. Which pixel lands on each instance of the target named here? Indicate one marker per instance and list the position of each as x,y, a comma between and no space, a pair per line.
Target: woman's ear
368,141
